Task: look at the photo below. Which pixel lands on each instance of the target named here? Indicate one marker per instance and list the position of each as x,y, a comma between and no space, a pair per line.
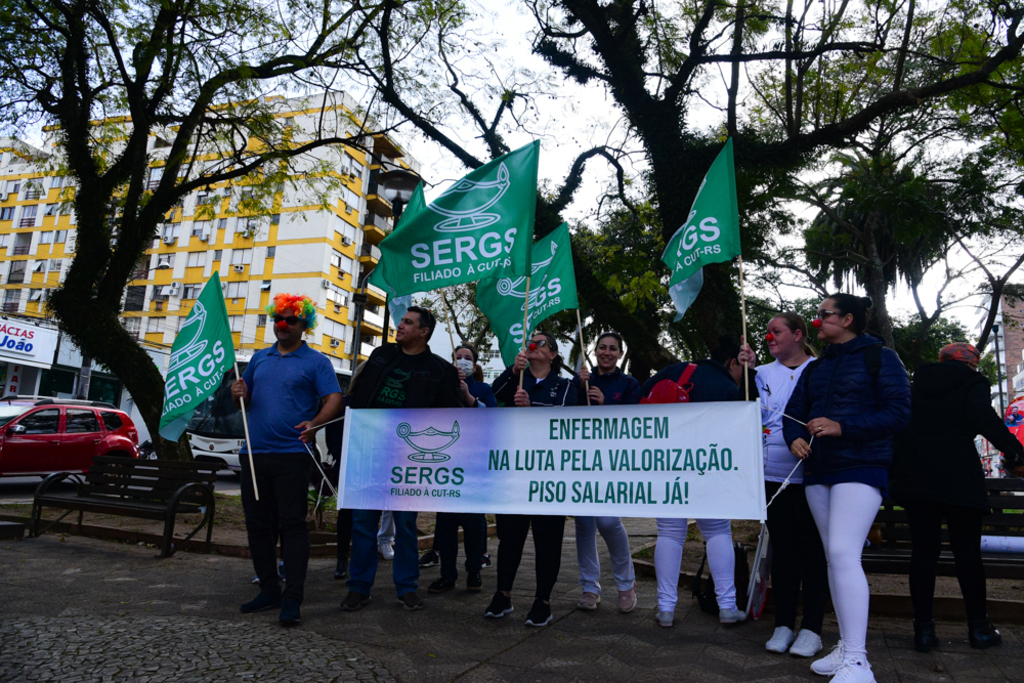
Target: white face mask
465,365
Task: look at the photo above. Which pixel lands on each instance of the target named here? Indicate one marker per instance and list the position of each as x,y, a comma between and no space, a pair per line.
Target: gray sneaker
666,619
589,601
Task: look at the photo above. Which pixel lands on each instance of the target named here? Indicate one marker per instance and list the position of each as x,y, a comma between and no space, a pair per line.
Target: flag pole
743,309
526,314
248,443
583,351
448,323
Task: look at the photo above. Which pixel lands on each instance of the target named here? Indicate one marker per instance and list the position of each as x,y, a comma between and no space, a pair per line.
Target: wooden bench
129,487
892,554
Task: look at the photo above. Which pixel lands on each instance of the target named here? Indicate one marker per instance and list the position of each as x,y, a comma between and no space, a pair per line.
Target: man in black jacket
937,475
403,375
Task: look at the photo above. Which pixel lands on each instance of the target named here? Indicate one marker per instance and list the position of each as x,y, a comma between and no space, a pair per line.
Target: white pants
614,534
668,559
843,514
387,528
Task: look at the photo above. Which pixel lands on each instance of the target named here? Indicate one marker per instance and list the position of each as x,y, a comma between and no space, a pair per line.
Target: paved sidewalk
91,610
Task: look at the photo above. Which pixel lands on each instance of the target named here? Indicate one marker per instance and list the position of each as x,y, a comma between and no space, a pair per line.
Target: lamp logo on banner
427,450
699,460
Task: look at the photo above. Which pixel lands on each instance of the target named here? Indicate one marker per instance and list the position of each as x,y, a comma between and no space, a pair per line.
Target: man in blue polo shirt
289,389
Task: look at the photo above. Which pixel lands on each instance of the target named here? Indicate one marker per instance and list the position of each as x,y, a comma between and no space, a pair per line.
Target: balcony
369,253
21,251
27,222
374,319
383,145
12,307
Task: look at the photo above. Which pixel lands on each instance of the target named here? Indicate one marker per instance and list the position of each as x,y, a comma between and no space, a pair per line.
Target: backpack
669,391
706,598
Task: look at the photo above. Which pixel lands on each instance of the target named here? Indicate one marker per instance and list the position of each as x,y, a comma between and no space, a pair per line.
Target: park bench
892,554
128,487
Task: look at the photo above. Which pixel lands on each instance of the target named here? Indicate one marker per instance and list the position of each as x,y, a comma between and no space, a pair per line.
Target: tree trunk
879,321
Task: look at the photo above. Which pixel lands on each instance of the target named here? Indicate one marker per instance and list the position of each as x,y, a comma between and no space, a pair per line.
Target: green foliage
907,333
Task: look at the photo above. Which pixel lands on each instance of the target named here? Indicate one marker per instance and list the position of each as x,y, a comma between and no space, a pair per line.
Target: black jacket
936,459
434,382
553,390
711,382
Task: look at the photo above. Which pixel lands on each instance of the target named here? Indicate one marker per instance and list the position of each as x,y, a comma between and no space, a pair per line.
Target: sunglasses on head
290,320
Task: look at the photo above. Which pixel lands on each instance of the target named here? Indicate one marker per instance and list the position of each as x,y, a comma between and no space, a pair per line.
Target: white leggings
668,558
844,514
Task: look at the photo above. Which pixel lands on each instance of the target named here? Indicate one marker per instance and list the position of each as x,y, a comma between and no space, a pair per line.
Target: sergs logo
478,196
431,442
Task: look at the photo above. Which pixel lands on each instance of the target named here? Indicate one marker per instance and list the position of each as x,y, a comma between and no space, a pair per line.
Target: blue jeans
363,562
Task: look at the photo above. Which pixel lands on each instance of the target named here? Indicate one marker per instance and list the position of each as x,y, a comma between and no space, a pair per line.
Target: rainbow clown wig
294,304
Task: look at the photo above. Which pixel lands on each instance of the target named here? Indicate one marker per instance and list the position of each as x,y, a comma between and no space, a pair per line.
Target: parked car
43,435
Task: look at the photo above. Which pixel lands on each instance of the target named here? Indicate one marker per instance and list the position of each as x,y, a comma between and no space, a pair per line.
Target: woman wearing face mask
608,386
475,393
542,386
854,400
797,554
937,477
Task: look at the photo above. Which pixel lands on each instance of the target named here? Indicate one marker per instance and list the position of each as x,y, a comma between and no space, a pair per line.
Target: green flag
711,233
379,276
502,297
481,225
202,352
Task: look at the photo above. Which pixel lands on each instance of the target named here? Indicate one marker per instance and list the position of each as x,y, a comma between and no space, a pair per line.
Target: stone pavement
90,610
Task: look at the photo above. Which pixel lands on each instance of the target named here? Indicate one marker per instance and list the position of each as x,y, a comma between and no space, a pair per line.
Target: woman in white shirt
797,554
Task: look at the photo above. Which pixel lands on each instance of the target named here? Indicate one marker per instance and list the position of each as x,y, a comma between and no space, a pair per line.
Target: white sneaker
808,644
781,639
854,672
830,664
731,616
386,551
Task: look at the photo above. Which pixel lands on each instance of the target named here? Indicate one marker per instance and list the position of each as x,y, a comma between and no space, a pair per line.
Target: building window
51,210
236,322
133,325
201,228
271,252
155,325
196,259
28,217
241,257
236,290
217,253
191,291
60,236
56,181
275,219
46,237
7,213
261,320
222,223
55,265
135,299
33,190
155,174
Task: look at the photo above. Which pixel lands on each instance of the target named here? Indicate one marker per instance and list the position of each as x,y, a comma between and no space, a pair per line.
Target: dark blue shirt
285,390
481,391
553,390
618,388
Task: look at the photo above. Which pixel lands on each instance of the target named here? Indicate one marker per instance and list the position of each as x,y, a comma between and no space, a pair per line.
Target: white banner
695,460
27,344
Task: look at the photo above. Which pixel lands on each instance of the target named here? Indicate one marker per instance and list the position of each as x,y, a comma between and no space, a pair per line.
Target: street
21,489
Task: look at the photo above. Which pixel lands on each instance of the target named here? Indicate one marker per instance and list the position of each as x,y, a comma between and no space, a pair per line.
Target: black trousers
283,481
964,526
547,542
446,536
344,533
798,558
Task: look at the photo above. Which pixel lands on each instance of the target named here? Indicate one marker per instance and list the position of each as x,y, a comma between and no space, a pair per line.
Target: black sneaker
289,612
473,581
442,585
265,600
429,559
411,601
354,601
540,614
485,561
499,607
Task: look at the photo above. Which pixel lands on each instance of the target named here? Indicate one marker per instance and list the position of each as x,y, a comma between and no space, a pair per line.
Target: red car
44,435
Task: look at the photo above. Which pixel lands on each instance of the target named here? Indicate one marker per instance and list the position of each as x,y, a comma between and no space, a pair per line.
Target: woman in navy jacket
854,400
542,386
609,386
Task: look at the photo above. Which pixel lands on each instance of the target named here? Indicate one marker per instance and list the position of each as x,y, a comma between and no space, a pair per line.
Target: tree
658,63
179,85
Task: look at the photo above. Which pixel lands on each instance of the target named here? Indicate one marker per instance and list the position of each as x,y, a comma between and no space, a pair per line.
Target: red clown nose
816,324
282,325
769,337
532,346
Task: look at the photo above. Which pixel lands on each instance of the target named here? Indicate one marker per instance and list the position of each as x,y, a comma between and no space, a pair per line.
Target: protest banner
697,460
480,225
202,352
503,298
